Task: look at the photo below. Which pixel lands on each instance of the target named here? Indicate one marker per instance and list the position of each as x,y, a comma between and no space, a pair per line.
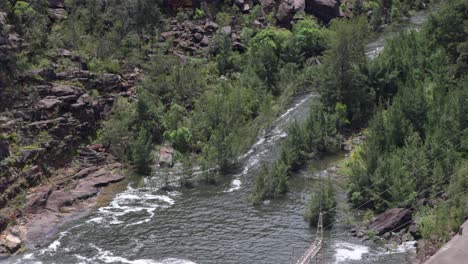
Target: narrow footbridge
315,248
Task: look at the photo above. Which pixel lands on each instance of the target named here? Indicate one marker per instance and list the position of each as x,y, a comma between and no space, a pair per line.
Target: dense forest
207,78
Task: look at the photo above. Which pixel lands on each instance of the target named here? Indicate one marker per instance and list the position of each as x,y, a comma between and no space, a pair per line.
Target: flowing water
215,224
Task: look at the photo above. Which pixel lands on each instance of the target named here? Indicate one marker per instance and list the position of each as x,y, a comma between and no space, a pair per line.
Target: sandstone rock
63,90
57,14
4,150
268,5
110,78
227,30
11,242
37,200
165,156
205,41
198,37
299,5
389,220
246,8
325,10
211,26
48,103
285,12
56,3
3,18
239,47
167,35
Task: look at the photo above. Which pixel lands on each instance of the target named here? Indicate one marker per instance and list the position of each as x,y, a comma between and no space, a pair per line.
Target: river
216,224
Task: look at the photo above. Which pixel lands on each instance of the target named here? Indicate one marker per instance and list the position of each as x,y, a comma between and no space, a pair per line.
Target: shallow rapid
215,224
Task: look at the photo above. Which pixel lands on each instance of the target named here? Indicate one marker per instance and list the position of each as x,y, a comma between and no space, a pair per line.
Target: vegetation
416,145
322,201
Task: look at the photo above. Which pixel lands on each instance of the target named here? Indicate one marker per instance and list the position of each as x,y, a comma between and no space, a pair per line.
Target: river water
216,224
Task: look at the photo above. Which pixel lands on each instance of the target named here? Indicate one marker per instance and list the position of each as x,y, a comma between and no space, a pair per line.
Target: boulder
205,41
237,46
391,220
165,156
48,103
57,14
4,150
268,5
285,12
63,90
198,37
56,4
299,5
11,242
3,18
325,10
211,26
110,79
227,30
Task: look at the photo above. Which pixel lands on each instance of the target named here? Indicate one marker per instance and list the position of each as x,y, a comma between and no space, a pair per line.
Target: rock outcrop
325,10
391,220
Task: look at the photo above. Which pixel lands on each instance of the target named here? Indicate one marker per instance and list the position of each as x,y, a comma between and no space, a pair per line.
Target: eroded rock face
391,220
325,10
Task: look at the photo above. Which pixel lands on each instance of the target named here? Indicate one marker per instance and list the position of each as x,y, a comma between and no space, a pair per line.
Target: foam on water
235,185
129,202
347,251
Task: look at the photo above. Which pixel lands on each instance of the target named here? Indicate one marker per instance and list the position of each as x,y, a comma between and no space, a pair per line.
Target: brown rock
268,5
165,156
285,12
56,3
325,10
11,242
63,90
391,220
205,41
211,26
48,103
57,14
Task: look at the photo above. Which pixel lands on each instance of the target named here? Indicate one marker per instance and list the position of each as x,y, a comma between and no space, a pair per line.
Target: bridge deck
311,251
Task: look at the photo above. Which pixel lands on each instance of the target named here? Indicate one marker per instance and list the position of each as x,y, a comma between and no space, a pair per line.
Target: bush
322,201
309,37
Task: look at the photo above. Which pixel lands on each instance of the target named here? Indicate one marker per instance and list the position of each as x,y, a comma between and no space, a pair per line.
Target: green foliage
309,37
141,148
416,141
223,19
322,200
270,182
105,65
343,76
266,49
317,135
181,138
199,14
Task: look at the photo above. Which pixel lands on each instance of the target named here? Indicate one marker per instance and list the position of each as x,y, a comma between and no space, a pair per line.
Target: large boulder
56,3
325,10
165,156
285,12
391,220
11,242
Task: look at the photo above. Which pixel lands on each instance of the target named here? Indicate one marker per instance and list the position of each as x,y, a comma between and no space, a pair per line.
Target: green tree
344,63
322,201
141,148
